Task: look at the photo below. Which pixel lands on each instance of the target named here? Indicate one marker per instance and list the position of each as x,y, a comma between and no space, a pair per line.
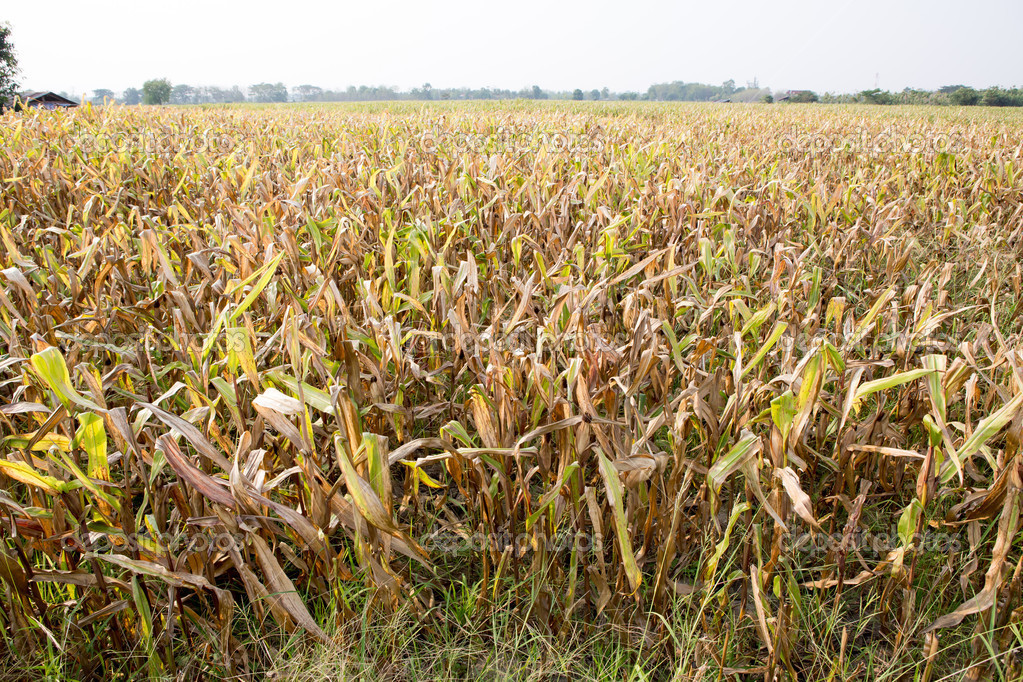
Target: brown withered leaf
191,434
800,500
283,590
209,487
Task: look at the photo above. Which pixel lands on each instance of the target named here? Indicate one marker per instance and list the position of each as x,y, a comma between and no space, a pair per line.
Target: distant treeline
950,95
162,92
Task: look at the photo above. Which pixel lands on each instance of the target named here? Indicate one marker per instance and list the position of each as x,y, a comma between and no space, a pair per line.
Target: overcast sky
824,45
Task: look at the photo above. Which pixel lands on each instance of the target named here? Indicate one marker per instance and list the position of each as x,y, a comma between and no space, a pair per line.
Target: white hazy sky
824,45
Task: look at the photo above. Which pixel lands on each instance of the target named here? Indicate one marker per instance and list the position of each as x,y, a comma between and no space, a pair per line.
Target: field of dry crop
697,392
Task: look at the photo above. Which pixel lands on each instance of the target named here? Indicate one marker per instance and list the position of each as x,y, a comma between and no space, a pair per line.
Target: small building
42,100
799,96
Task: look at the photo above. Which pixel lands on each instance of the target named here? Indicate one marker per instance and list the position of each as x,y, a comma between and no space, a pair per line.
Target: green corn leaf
834,357
104,498
888,382
614,492
50,440
375,447
783,413
229,316
50,365
92,437
908,521
22,472
757,320
776,333
747,446
314,397
868,319
363,495
936,364
548,499
719,551
985,431
457,431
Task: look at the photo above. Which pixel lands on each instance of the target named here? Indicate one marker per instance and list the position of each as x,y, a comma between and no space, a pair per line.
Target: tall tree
132,96
268,92
99,95
306,93
182,94
156,91
8,66
965,97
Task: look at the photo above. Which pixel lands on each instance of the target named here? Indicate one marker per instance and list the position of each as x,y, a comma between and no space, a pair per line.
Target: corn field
607,365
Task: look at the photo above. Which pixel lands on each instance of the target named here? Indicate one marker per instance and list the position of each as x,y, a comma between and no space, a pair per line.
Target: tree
100,95
8,66
268,92
235,94
538,93
156,91
132,96
306,93
577,94
767,99
996,97
876,96
804,97
182,94
965,97
679,91
594,94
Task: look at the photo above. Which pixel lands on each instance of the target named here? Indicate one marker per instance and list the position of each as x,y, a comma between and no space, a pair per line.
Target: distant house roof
43,100
794,93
